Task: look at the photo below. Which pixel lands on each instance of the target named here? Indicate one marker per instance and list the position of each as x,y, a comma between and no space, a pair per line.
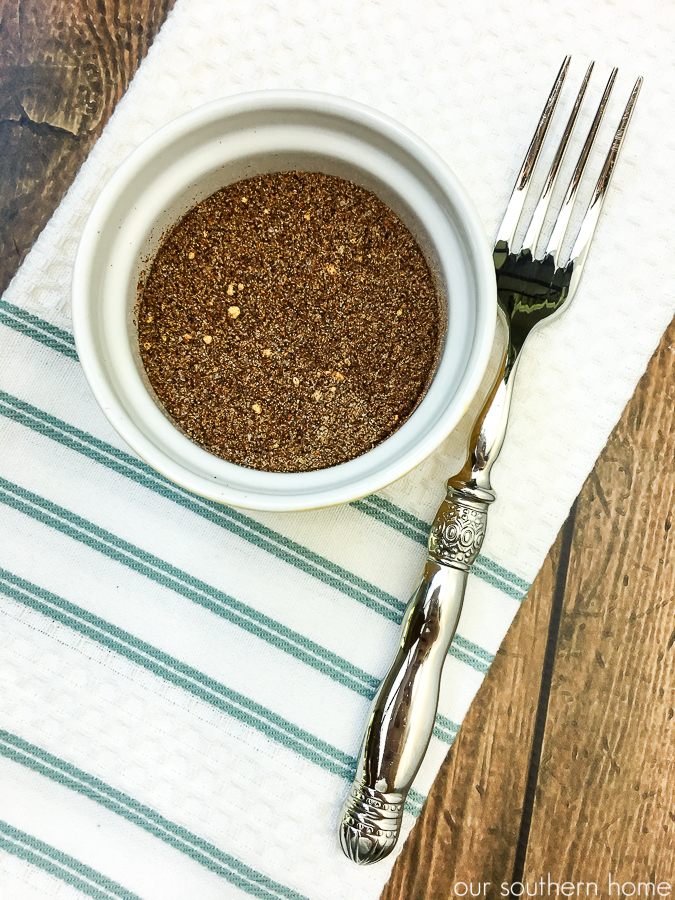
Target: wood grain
64,64
468,829
606,793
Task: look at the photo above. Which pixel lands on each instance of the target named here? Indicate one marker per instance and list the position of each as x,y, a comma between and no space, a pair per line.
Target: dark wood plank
64,64
468,829
606,794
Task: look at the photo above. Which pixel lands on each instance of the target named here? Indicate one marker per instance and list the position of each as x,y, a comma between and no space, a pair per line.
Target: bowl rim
302,497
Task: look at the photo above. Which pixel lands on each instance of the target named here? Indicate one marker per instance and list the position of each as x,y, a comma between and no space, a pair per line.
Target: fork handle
402,715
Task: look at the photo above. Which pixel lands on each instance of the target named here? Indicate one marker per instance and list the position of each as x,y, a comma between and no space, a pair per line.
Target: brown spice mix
289,322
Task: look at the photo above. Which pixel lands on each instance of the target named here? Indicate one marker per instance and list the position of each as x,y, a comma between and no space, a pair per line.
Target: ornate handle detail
458,530
402,714
371,822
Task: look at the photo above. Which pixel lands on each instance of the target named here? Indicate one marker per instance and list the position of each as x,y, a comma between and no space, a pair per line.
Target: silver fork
531,290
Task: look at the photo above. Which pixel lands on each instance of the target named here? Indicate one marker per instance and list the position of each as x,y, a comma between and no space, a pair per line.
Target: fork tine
558,235
532,236
515,206
590,220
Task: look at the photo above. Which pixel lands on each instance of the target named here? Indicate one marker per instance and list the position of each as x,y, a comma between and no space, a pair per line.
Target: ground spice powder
289,322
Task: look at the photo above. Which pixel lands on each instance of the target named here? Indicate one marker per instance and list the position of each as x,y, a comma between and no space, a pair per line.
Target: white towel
183,686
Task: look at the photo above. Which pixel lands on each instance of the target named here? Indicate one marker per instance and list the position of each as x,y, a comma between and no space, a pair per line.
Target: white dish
237,138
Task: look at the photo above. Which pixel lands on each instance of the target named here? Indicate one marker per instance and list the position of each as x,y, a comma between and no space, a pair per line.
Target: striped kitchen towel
183,685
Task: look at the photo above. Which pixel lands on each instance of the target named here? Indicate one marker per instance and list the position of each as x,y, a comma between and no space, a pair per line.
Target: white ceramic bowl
237,138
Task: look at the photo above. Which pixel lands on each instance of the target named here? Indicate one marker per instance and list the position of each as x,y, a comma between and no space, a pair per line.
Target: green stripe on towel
417,530
186,677
130,467
163,573
470,647
37,329
178,673
62,866
414,802
398,513
501,573
203,852
232,519
445,729
195,682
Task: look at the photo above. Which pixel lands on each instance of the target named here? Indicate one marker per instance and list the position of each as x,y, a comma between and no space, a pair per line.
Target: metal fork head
532,289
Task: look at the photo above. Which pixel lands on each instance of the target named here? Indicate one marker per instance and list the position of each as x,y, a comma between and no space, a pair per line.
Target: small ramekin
237,138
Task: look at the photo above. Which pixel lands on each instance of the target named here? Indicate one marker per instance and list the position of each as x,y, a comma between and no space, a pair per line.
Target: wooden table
565,763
